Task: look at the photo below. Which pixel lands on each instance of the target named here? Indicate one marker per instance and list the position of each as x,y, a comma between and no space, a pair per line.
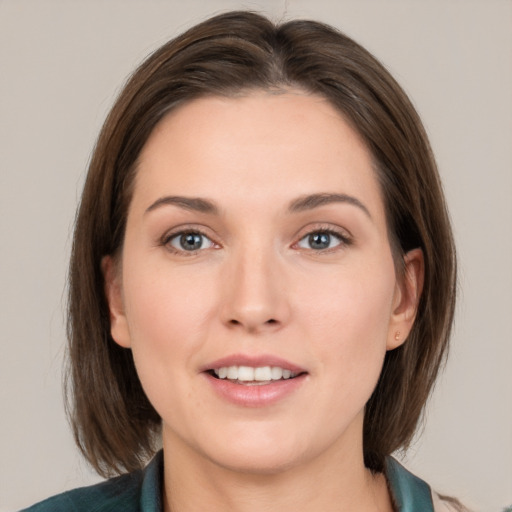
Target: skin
258,286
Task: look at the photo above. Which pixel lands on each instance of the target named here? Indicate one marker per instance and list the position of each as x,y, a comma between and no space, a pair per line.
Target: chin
259,462
247,448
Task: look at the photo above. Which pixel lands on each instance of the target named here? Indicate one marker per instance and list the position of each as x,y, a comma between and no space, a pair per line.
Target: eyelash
343,240
169,237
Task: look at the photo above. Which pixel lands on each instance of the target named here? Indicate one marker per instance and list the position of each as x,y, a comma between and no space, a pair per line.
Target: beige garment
441,505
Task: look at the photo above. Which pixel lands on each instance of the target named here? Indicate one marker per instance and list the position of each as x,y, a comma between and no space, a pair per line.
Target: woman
262,277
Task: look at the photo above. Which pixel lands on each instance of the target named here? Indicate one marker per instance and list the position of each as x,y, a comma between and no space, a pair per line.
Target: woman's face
256,288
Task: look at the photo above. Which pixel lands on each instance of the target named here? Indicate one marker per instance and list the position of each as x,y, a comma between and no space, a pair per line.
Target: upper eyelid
186,228
170,236
322,227
343,240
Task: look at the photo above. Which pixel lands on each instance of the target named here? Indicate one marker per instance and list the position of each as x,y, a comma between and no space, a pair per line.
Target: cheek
165,302
349,314
167,313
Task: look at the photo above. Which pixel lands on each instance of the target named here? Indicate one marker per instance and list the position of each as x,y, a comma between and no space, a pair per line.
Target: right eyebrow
316,200
196,204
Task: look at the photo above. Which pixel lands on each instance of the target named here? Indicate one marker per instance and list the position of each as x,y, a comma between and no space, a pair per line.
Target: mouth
254,381
253,376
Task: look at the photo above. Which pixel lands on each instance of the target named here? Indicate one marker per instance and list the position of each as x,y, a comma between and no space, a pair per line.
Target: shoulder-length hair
114,424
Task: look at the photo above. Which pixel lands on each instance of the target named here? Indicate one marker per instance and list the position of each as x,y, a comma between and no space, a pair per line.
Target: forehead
271,147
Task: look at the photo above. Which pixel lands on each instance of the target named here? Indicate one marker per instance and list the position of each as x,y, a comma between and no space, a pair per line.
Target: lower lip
256,395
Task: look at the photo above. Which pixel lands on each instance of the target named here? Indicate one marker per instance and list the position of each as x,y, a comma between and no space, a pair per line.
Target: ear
406,299
114,293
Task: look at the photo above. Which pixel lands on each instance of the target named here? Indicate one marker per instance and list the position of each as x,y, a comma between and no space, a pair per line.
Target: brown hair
114,424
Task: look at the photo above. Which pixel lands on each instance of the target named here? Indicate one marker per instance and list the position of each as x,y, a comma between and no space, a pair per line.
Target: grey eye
320,240
190,241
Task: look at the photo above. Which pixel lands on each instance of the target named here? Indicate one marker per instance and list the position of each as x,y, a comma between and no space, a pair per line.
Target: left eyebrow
187,203
316,200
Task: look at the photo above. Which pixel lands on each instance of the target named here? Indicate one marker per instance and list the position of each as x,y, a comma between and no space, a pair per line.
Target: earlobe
407,297
113,292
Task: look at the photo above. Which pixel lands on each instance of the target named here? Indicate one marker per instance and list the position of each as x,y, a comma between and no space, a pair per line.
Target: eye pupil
191,241
319,240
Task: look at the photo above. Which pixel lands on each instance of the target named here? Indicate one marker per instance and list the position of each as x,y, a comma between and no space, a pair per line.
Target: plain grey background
61,65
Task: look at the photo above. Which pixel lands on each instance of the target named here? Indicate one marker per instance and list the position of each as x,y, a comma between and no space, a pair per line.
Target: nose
256,298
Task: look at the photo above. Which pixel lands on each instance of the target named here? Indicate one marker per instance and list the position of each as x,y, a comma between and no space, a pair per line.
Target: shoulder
134,492
441,505
444,504
119,493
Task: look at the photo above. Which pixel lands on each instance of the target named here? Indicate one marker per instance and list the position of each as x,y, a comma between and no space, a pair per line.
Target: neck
328,483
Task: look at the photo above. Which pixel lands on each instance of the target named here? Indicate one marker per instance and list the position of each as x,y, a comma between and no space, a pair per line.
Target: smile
249,375
254,380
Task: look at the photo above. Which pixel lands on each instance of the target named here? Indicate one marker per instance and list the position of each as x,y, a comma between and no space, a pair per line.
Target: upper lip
253,361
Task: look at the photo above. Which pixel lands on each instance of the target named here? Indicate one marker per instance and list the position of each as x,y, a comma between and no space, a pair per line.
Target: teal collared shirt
141,491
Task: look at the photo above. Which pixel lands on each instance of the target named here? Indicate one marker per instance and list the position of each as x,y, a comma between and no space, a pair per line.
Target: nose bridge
256,299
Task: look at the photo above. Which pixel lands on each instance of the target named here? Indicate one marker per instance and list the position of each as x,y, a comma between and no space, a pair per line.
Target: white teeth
276,373
250,374
232,372
245,373
263,373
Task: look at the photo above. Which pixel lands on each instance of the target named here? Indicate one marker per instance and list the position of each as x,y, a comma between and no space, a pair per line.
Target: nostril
235,322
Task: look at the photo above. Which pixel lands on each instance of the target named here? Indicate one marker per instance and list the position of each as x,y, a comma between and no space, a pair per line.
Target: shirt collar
152,485
410,493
